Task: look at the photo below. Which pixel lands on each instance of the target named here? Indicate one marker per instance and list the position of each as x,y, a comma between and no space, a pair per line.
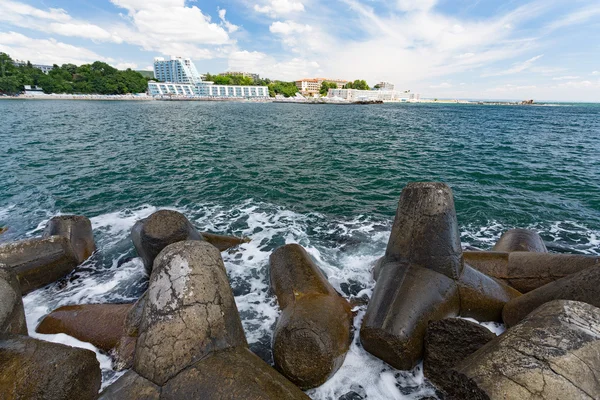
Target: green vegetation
95,78
357,84
147,74
325,86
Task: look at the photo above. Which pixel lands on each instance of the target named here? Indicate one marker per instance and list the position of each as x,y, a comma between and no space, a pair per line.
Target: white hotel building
179,78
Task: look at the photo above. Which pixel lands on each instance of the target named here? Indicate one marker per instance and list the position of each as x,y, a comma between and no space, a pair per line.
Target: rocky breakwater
422,278
191,342
67,241
554,353
313,332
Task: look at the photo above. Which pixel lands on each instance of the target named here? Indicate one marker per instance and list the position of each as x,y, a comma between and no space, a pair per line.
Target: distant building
44,68
385,86
244,74
176,70
207,90
312,86
365,95
33,90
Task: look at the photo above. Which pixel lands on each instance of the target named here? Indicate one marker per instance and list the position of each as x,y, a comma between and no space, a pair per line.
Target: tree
325,86
357,84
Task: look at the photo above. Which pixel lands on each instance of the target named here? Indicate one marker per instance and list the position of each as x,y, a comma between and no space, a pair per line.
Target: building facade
176,70
207,90
385,86
44,68
312,86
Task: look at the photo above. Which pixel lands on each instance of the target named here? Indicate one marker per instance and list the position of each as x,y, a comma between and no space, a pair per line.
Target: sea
325,176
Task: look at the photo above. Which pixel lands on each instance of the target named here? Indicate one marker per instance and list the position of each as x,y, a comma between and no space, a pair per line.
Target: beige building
312,86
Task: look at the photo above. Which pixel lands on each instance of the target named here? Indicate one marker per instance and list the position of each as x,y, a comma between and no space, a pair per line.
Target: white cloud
288,27
443,85
564,78
509,88
53,21
46,51
575,18
124,65
275,8
288,69
228,25
516,68
595,72
415,5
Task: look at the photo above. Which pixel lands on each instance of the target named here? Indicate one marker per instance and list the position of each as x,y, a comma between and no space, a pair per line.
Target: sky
469,49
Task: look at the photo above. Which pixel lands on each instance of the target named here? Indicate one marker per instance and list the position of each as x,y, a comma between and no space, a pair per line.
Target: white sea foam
345,249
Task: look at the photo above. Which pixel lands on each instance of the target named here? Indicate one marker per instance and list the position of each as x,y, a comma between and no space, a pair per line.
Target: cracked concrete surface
190,311
553,354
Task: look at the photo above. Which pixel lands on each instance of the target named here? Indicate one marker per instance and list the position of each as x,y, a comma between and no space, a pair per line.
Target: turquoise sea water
328,177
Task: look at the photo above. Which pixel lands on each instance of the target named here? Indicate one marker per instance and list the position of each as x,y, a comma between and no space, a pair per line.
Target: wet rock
189,313
76,228
447,343
234,373
425,231
482,297
554,353
3,229
39,262
99,324
312,334
12,313
131,386
151,235
520,240
34,369
582,286
404,301
223,242
526,271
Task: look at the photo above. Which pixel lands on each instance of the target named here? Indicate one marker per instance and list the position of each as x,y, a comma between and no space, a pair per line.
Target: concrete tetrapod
12,313
191,336
39,262
527,271
422,278
520,240
99,324
313,332
554,353
582,286
76,228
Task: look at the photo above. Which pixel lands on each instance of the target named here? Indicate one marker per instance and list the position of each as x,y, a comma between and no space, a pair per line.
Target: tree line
287,89
95,78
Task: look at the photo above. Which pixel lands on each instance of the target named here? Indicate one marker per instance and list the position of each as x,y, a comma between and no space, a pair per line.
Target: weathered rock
482,297
223,242
3,229
552,354
234,373
582,286
404,301
99,324
124,353
526,271
189,313
12,313
520,240
447,343
76,228
425,231
131,386
34,369
38,262
312,334
151,235
422,278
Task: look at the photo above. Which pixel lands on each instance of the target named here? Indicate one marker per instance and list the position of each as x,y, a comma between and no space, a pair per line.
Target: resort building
370,95
44,68
207,90
176,70
244,74
312,86
385,86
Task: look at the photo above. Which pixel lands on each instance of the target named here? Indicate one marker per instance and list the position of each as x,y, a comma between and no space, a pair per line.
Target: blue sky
541,49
